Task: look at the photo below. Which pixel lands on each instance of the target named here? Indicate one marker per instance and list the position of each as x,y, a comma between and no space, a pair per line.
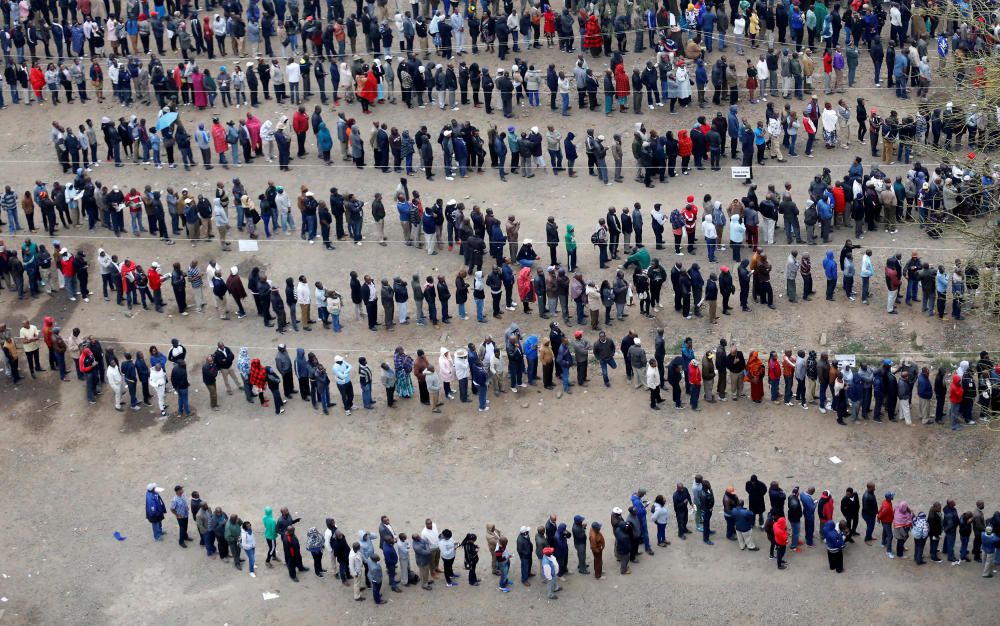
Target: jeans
250,557
505,565
869,526
949,546
366,395
157,530
918,550
887,536
183,408
605,364
706,517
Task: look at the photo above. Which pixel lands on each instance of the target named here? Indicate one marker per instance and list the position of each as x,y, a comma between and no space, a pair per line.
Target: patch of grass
852,347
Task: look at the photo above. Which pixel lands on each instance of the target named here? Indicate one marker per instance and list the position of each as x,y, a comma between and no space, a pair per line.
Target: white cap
154,265
338,359
525,529
234,270
637,341
617,510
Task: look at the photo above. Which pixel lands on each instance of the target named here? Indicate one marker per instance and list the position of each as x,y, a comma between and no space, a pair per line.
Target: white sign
741,172
248,245
845,359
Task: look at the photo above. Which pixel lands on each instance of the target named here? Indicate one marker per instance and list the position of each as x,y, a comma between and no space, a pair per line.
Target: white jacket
708,228
303,294
158,378
114,375
652,377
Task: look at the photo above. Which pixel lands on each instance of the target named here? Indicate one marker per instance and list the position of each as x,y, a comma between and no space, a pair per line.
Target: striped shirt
195,277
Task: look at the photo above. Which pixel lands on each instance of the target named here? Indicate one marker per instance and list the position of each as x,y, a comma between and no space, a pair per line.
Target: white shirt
739,25
293,72
157,378
430,535
303,293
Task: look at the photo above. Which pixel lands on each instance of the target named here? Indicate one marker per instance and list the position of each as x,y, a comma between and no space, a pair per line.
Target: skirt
404,385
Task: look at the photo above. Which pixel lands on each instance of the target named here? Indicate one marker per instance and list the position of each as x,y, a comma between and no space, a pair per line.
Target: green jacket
270,526
233,531
570,238
640,256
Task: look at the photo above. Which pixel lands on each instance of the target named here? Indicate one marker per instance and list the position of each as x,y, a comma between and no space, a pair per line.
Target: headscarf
314,541
258,375
754,365
963,367
903,517
243,363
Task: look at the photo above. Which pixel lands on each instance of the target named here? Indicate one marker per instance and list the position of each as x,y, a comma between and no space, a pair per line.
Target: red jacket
825,510
684,145
885,512
781,532
955,392
127,267
694,373
154,279
622,84
773,370
219,138
87,361
66,265
839,204
592,34
300,122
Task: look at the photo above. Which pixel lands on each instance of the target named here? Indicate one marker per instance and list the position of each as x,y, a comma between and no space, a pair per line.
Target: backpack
596,237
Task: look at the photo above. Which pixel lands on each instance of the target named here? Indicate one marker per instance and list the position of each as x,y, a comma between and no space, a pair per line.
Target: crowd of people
858,389
514,270
679,67
408,559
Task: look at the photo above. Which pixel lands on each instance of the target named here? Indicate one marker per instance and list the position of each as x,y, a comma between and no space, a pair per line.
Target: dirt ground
72,475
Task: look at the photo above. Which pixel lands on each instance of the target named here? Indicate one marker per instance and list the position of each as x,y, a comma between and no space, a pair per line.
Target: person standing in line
781,536
596,540
471,551
743,522
524,553
155,510
293,553
357,571
248,541
550,570
706,506
179,507
503,562
375,578
271,536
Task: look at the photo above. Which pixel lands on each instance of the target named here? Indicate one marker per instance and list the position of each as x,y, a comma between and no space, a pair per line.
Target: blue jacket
834,540
640,508
155,509
530,346
743,519
824,208
733,122
808,505
925,389
830,266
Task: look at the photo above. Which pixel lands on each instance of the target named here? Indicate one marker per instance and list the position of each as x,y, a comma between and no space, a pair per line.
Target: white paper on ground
835,460
248,245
